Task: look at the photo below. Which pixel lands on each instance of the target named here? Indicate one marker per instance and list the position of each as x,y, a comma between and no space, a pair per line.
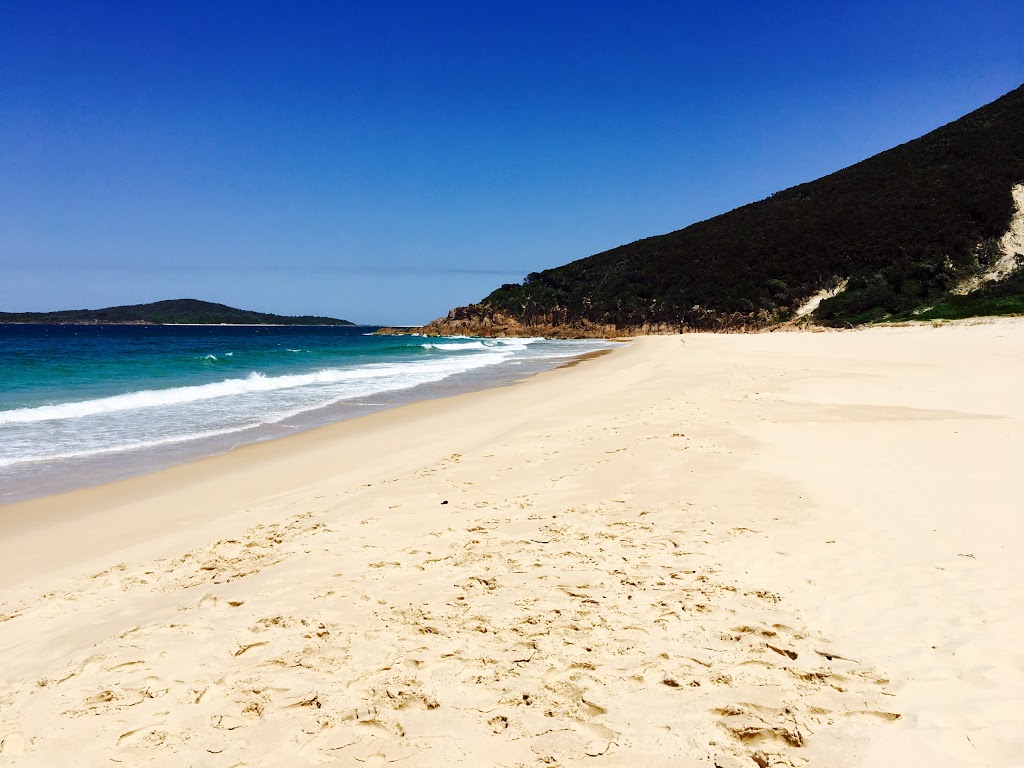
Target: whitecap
404,374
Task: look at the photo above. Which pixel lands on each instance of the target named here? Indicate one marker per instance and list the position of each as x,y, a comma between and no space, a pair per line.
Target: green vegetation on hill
903,227
175,311
1005,297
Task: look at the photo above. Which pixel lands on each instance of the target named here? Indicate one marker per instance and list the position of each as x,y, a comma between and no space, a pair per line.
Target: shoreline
42,511
731,549
22,482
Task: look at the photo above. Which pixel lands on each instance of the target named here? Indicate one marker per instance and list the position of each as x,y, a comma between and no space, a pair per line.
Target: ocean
86,404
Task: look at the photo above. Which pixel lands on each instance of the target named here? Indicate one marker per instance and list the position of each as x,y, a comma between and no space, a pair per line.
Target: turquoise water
96,402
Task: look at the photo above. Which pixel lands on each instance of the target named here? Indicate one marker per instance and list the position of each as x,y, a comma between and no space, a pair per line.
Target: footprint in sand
226,722
147,737
13,744
375,752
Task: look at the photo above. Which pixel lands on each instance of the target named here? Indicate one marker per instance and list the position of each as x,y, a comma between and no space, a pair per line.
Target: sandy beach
779,549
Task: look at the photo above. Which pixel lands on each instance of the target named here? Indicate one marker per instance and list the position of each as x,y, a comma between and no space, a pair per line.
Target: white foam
511,344
8,461
455,347
160,417
255,382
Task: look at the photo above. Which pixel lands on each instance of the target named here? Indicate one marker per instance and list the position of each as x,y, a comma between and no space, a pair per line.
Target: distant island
171,312
929,230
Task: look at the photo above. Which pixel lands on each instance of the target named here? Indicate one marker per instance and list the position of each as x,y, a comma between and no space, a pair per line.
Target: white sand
777,549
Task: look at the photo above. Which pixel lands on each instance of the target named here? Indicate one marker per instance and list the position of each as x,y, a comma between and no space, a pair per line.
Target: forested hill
175,311
903,228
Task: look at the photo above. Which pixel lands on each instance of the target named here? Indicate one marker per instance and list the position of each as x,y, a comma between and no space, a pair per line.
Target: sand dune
770,550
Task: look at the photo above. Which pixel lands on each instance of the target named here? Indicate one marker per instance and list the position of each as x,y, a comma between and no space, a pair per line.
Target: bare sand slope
786,549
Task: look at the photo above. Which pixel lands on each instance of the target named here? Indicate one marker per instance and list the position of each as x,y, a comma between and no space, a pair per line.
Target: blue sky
384,162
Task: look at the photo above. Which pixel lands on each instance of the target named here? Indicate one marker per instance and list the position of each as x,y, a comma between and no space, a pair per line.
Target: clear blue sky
385,161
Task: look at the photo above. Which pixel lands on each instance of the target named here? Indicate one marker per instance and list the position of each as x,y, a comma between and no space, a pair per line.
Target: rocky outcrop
483,320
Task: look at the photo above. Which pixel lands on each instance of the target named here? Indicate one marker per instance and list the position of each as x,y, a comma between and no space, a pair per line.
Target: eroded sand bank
777,549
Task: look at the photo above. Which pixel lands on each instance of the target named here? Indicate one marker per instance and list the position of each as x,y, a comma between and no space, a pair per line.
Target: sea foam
245,401
416,372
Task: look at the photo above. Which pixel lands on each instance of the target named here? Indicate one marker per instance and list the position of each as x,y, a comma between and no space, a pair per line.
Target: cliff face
483,320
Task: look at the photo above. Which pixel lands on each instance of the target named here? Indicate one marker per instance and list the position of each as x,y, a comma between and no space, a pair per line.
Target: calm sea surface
81,405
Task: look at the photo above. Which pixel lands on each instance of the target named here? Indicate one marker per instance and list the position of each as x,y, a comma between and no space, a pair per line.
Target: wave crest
255,382
456,344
